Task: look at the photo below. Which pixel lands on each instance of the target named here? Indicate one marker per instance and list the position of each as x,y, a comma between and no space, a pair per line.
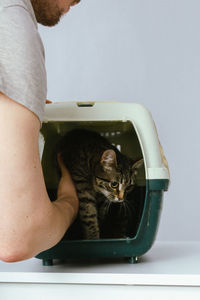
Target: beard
47,12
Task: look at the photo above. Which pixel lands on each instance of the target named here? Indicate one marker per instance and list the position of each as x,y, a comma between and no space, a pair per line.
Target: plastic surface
129,247
131,128
137,114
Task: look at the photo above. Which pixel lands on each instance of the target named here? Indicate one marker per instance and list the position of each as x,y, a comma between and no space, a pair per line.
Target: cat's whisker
122,206
125,208
108,207
128,208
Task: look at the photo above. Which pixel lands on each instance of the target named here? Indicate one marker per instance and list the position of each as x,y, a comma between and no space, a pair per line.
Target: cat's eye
114,184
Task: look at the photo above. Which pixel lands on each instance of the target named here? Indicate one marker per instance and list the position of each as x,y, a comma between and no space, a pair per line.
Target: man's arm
29,221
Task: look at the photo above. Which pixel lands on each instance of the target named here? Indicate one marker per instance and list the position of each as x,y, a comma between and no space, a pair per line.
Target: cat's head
115,179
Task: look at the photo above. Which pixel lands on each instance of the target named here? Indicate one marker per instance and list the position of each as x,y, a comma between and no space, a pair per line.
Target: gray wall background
146,52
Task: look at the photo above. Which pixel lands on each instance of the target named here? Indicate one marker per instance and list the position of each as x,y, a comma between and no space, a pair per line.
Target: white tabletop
167,263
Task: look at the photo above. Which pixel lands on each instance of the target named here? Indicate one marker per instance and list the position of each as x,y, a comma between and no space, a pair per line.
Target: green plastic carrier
131,128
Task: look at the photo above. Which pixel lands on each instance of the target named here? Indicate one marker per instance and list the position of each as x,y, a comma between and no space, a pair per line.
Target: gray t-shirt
22,65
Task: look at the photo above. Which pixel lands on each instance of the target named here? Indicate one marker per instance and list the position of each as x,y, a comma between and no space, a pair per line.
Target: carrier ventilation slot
111,135
85,104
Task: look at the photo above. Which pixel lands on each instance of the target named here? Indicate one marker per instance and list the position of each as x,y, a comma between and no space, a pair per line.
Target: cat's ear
108,159
137,165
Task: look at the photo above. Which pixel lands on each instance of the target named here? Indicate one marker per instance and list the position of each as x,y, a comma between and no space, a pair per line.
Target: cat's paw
92,236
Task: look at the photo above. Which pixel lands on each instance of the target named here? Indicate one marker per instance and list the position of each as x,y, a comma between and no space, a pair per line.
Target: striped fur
102,175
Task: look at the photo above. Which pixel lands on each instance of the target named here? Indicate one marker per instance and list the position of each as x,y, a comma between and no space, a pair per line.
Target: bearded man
29,221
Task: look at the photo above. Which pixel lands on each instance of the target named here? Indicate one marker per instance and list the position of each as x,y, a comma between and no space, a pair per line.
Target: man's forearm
62,214
33,234
29,221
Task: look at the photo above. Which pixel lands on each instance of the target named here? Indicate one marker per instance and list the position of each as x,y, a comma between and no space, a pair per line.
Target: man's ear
108,159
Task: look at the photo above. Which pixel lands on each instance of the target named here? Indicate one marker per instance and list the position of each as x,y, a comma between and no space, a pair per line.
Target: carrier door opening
120,219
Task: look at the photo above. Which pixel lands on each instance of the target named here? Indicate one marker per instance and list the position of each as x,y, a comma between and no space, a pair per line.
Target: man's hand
66,188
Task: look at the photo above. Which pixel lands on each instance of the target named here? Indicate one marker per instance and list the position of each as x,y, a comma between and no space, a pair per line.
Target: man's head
49,12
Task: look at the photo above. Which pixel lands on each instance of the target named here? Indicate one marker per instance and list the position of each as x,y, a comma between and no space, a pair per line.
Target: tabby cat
103,177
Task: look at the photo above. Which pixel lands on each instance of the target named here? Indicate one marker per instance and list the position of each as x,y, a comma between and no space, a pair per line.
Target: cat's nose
121,195
118,200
